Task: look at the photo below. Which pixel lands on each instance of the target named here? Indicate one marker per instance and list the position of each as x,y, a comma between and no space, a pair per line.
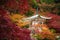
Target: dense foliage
20,6
9,31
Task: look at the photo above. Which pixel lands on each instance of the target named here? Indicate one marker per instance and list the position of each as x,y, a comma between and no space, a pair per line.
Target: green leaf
38,37
53,30
26,26
47,1
34,4
45,39
29,13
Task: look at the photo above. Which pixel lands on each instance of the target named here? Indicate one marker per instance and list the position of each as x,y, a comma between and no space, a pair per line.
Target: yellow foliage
17,18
